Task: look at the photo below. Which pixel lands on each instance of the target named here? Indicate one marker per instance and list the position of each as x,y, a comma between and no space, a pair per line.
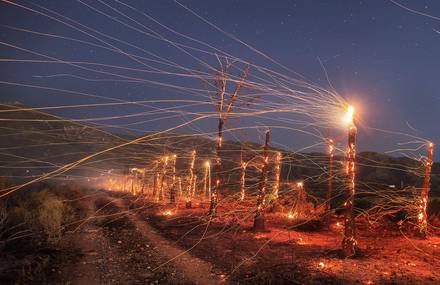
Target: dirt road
115,246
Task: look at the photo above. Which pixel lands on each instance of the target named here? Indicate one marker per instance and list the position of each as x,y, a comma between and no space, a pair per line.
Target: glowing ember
168,213
292,215
321,264
259,236
301,241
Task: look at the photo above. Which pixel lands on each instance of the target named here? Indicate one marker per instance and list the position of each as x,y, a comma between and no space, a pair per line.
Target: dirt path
89,247
124,249
195,270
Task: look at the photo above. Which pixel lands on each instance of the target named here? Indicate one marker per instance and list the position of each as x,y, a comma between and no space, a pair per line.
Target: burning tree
331,150
277,181
163,177
300,208
191,180
349,242
423,202
242,175
259,213
173,186
225,105
207,181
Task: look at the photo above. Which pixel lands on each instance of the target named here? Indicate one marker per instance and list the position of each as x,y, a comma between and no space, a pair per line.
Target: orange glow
330,148
349,115
291,215
301,241
167,213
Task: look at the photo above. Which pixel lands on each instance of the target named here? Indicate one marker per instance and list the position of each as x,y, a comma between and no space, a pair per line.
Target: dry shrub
49,215
50,218
42,213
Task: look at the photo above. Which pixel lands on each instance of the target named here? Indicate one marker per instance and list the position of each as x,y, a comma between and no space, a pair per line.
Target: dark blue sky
378,55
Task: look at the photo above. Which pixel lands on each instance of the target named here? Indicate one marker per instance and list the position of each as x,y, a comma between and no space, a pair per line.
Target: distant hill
33,143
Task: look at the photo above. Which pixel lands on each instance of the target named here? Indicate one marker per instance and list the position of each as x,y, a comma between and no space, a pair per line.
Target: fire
259,236
349,115
331,146
291,215
301,241
167,213
321,264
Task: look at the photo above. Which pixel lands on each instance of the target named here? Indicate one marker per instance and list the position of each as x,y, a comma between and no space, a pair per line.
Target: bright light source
168,213
291,215
349,115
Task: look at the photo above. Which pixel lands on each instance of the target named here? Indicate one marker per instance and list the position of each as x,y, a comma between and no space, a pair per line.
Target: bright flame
168,213
207,164
321,264
291,215
300,184
349,115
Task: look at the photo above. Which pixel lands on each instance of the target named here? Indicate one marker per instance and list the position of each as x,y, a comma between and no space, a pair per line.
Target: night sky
380,56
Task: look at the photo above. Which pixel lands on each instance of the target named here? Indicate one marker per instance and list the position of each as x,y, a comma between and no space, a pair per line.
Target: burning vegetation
233,173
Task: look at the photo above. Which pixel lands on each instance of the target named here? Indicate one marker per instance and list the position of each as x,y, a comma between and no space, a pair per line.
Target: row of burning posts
210,188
